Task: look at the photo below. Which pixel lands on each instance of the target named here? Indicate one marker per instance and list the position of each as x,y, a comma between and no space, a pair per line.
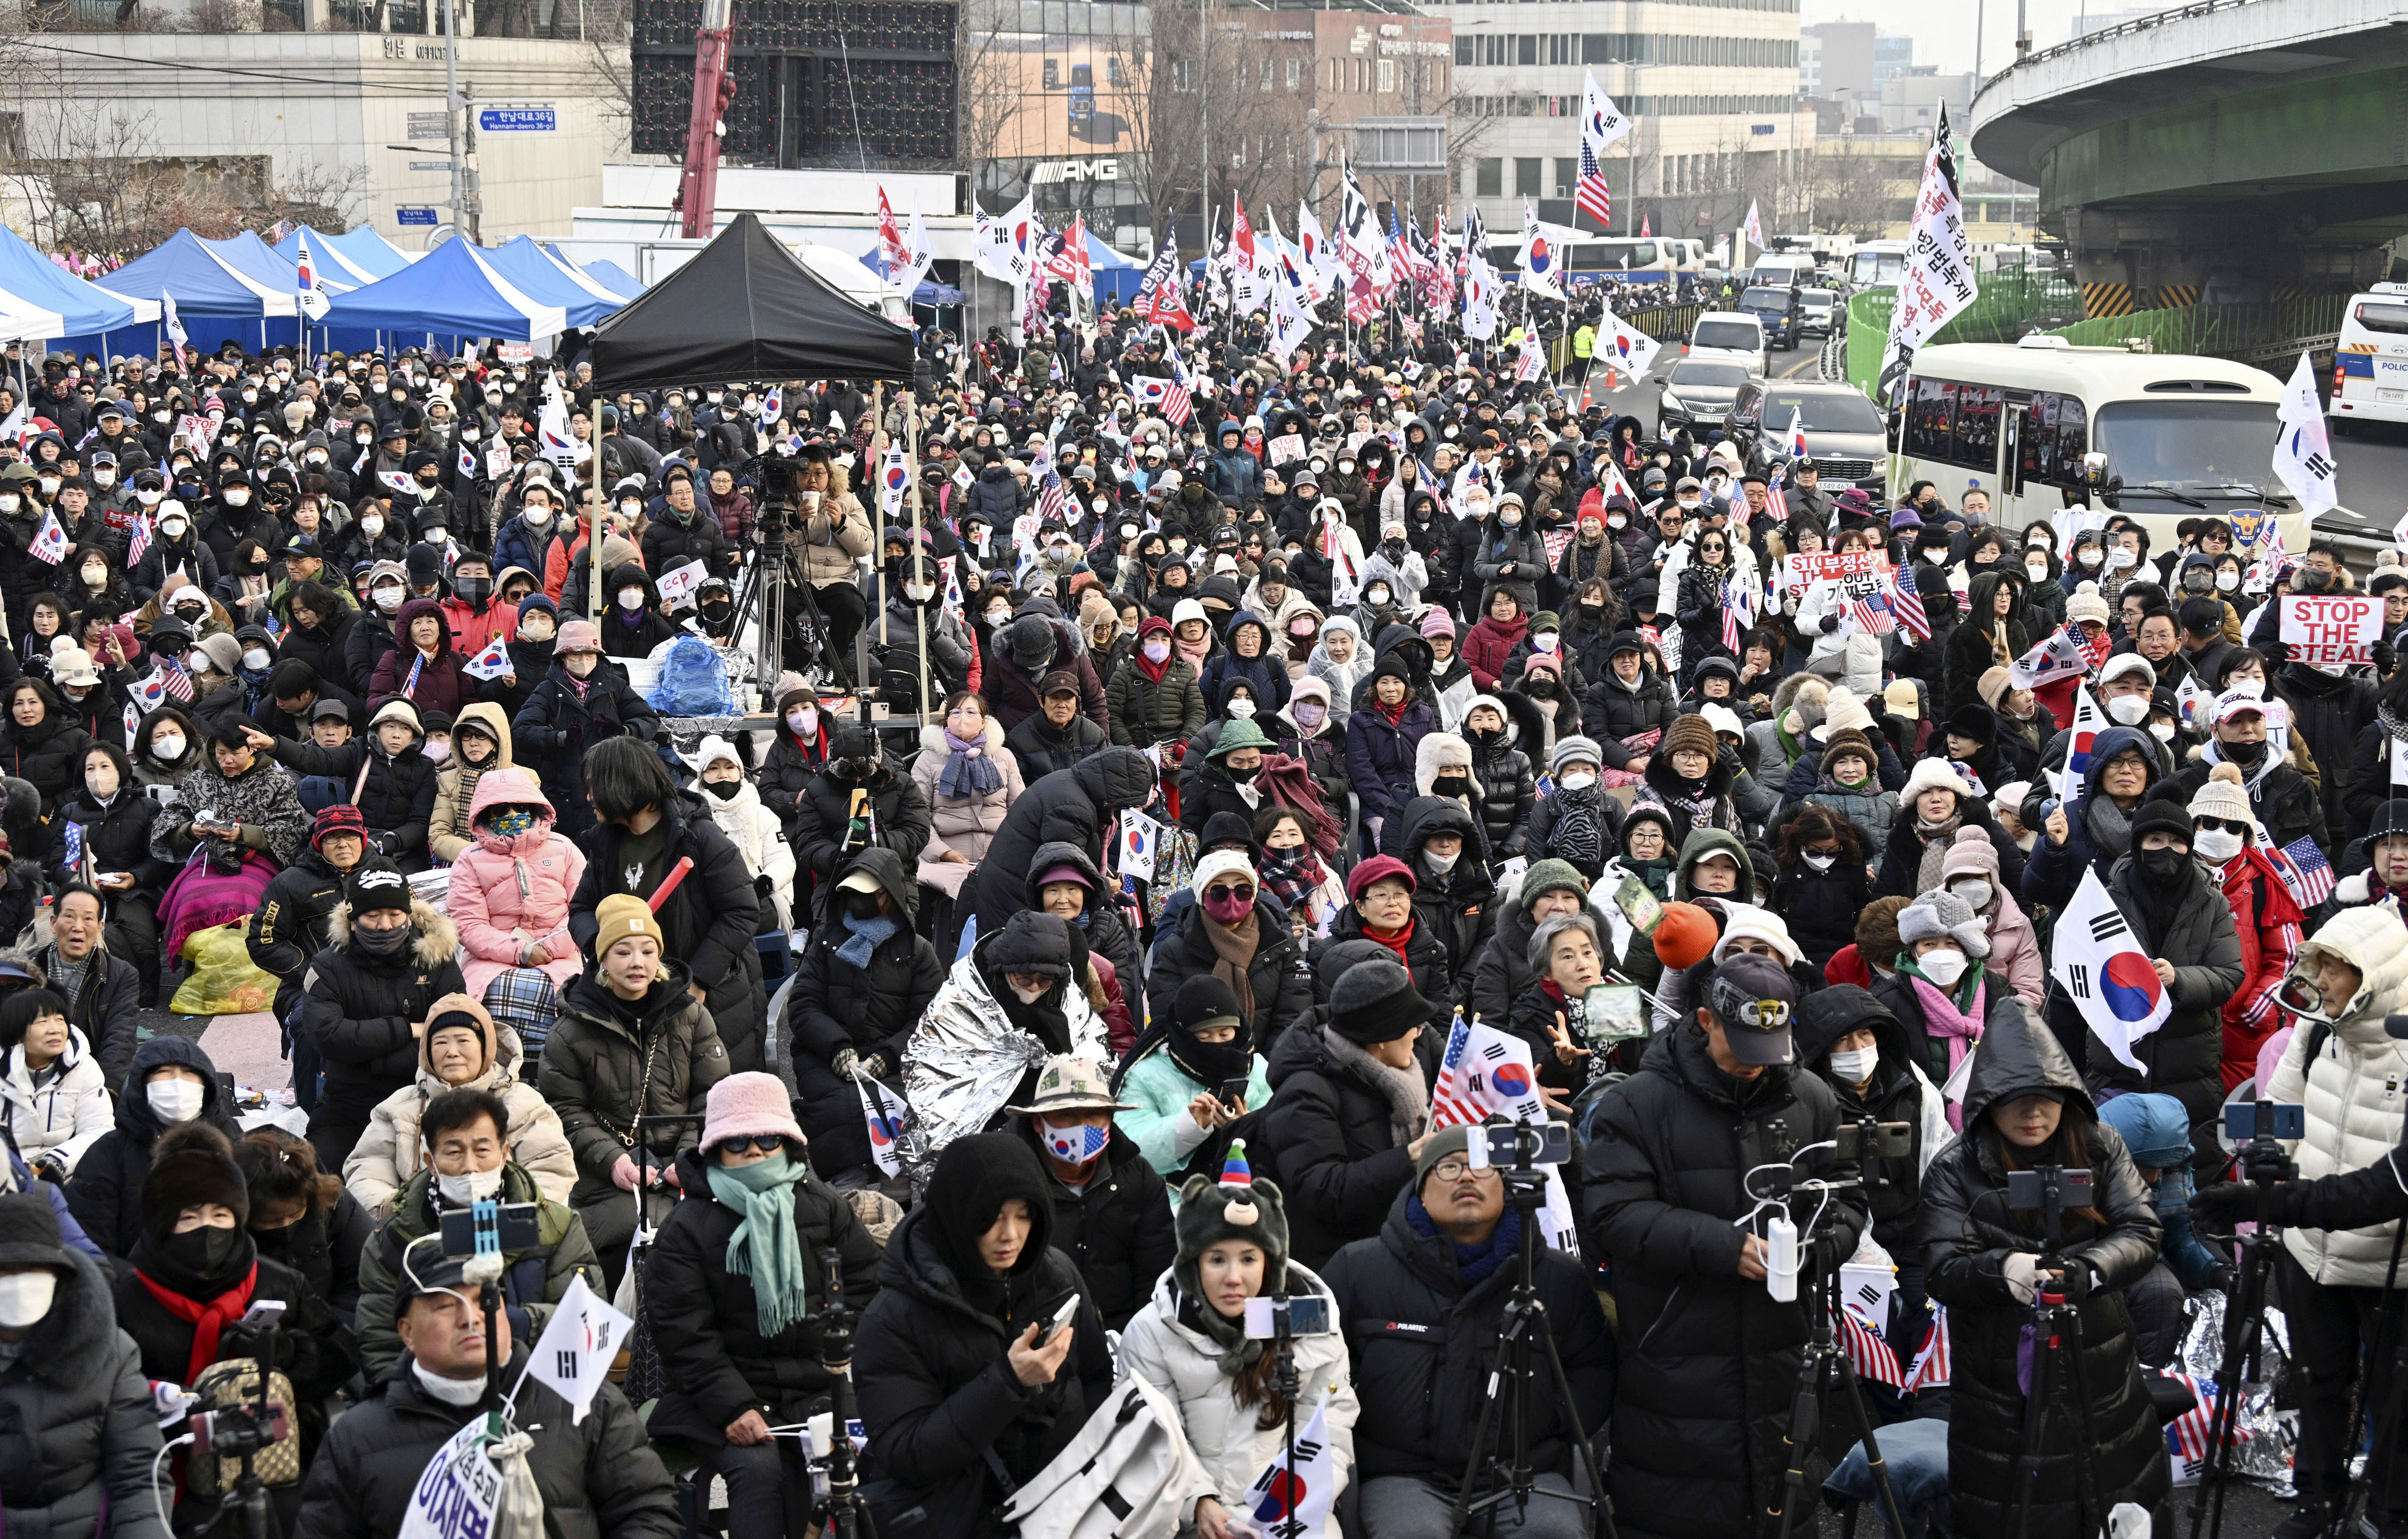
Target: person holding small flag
860,989
1190,1341
732,1292
1111,1213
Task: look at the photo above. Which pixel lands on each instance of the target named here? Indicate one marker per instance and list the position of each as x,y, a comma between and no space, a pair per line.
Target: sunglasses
2208,825
1222,892
765,1142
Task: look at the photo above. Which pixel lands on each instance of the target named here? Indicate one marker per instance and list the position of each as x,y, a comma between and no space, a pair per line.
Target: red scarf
207,1320
1396,943
1395,713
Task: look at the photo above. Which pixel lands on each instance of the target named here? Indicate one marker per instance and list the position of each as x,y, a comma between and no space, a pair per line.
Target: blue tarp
454,290
611,276
42,282
354,259
522,262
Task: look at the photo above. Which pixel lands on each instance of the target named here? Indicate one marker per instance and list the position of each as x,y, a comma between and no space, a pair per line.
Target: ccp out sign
2335,628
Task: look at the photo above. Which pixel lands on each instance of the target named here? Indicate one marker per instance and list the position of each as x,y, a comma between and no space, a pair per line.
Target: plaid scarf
67,977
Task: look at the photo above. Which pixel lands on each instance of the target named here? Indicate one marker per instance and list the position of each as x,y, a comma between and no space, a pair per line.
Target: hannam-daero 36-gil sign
533,119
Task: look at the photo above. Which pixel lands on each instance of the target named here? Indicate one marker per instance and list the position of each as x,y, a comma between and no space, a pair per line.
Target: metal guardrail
2275,330
2009,307
2125,29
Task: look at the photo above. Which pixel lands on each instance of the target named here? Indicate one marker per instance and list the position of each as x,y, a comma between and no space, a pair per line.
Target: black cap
1754,997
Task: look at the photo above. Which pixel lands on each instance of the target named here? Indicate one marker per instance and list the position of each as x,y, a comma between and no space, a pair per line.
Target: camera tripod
2387,1427
2245,1331
1824,1367
244,1511
1506,1414
2057,1335
847,1510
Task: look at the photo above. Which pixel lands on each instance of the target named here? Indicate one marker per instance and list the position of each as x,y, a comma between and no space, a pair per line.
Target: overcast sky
1944,33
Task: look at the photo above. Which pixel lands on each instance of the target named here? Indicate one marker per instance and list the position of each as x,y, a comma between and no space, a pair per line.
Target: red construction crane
715,89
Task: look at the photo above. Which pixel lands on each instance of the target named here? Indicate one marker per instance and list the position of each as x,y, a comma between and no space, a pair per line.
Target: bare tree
1859,193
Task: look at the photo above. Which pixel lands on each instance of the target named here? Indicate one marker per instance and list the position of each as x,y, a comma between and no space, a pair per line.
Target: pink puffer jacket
508,893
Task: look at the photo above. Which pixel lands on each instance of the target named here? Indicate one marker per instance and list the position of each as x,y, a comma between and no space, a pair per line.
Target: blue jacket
1264,671
2051,873
2157,1129
1380,755
1233,475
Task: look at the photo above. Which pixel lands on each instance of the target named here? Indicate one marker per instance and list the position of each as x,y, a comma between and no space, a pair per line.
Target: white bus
1654,260
1877,265
2369,380
2188,436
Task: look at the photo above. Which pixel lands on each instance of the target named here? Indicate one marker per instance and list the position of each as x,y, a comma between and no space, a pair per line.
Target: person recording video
2026,1110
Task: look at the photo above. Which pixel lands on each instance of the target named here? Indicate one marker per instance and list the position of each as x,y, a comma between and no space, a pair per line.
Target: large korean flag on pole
2103,970
2303,455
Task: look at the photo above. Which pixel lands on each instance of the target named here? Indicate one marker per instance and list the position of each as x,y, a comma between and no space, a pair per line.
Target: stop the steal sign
2331,627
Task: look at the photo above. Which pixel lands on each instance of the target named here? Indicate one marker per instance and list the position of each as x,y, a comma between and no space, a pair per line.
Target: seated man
1422,1303
1111,1213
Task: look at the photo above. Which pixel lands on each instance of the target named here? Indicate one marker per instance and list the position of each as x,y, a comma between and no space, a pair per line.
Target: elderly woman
968,778
460,1049
1567,955
733,1286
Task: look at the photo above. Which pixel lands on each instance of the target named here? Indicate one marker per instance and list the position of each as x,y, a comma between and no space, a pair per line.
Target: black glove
2277,651
1830,623
2386,657
2220,1206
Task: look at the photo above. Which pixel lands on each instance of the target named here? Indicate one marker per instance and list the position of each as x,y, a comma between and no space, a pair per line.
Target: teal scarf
765,1248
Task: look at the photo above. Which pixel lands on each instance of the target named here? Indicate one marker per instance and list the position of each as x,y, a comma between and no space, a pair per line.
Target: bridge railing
2273,332
2011,305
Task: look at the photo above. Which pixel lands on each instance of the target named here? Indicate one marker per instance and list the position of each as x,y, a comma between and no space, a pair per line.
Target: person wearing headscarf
953,1360
1190,1342
1177,1078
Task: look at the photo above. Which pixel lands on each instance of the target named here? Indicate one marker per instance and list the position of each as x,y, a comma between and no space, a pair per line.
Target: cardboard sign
2322,628
1286,447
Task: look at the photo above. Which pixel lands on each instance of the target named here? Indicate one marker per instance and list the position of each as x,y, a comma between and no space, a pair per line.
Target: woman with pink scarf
1941,991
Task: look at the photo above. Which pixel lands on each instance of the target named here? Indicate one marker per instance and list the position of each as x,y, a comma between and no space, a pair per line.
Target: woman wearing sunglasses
730,1292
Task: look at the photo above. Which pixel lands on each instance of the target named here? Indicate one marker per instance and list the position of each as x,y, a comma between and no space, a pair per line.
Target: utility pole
467,207
470,181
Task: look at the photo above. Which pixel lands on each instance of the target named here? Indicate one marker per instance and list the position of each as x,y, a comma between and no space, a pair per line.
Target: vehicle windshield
1694,371
2186,443
1774,300
1874,269
1832,412
1818,298
1739,337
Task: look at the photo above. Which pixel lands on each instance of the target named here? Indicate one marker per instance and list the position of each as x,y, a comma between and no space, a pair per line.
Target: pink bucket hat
746,1106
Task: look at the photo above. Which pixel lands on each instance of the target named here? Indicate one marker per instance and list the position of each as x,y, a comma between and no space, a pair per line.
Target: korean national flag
50,546
576,1348
492,663
1138,834
1291,1501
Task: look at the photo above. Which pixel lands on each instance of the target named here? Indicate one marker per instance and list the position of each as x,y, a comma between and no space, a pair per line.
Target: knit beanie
374,887
2222,796
2159,815
1551,875
1437,623
1685,936
1573,750
1234,1207
1690,734
622,914
974,1178
2085,603
1220,863
191,1164
1941,914
1374,1001
1034,943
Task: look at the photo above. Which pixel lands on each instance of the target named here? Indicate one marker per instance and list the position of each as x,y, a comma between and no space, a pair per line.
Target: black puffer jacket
710,919
1101,922
1968,1234
1332,1133
1901,861
600,1077
551,733
396,798
49,754
2327,714
871,1010
1072,804
2194,933
1117,1231
705,1319
104,1194
1613,715
361,1012
1425,956
1508,793
117,838
80,1431
1283,994
1459,909
897,807
1709,1359
937,1392
293,922
1424,1346
1896,1093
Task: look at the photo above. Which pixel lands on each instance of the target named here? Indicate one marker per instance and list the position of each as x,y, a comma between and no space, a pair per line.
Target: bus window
1877,269
1930,419
1977,427
2056,435
2391,320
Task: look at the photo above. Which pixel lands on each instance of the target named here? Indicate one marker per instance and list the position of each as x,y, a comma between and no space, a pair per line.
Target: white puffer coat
67,1114
2355,1091
1185,1364
755,831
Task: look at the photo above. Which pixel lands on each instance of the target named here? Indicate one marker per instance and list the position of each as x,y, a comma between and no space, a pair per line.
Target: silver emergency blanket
2267,1436
965,1057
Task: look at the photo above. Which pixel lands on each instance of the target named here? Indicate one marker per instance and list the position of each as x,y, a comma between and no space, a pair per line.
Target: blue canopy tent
216,299
606,272
1117,278
87,313
584,302
454,292
344,262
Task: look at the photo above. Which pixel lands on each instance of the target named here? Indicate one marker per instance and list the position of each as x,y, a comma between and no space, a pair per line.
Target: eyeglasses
765,1142
2209,825
1223,893
1452,1169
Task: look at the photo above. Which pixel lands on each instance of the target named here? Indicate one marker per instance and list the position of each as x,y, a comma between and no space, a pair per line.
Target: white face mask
1821,862
388,599
1576,779
631,599
371,525
1857,1067
1942,966
167,747
2162,731
2130,710
1241,709
2089,557
1029,996
2037,570
1976,893
2253,687
2120,558
2227,582
174,1100
25,1298
255,659
1543,642
2215,846
1441,864
459,1393
473,1187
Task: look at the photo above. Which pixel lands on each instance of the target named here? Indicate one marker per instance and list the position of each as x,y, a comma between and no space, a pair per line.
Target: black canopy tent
746,309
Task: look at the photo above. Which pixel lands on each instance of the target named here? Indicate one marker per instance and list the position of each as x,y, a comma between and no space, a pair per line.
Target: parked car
1844,429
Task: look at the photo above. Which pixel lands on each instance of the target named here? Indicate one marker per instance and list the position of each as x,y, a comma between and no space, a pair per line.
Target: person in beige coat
837,532
969,780
447,833
454,1058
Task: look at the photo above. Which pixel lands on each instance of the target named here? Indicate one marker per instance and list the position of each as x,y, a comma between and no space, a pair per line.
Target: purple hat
1063,872
1437,623
1906,518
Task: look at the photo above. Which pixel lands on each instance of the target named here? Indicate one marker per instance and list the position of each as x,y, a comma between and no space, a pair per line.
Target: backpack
234,1381
1128,1471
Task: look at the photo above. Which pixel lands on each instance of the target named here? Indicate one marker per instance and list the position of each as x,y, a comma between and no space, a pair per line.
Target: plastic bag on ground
224,980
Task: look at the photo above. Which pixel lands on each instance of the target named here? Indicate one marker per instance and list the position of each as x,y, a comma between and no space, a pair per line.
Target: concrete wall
334,101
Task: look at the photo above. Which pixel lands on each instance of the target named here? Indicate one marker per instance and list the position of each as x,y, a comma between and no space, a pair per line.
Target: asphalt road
1637,396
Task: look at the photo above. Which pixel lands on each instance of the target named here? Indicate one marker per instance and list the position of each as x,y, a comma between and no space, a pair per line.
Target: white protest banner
460,1487
1286,447
575,1349
681,580
1865,571
2331,627
196,430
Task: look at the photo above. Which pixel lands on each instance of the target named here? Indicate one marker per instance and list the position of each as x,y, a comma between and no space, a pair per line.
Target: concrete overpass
2233,150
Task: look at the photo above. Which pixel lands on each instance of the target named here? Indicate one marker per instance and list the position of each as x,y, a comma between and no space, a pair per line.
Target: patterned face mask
511,822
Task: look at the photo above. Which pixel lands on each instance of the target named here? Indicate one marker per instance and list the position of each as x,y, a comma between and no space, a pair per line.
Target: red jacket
2268,921
1487,644
471,632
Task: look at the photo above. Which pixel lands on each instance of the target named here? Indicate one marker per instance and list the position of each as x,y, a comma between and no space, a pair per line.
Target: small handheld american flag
1592,197
1907,604
1776,499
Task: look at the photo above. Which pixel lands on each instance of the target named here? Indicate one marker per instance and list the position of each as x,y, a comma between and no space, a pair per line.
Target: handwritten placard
1286,447
2321,628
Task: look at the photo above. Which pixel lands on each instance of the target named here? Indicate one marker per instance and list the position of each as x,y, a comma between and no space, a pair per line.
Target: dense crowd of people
1279,736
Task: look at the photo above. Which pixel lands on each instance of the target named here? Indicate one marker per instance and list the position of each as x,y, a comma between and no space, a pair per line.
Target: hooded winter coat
1072,805
1266,671
361,1012
1100,921
1968,1234
705,1318
1458,909
509,896
440,685
1899,1092
83,1435
390,1152
1011,690
1508,788
1708,1361
395,795
872,1010
105,1192
956,1059
1336,1131
1380,755
448,830
2054,871
2192,929
709,920
291,925
67,1113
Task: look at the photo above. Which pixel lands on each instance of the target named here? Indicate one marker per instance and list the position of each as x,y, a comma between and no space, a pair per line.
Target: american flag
1177,403
2305,872
138,544
1872,1356
1451,1099
1930,1369
1052,502
1402,258
1362,301
2190,1437
1873,615
1592,197
1776,499
1907,604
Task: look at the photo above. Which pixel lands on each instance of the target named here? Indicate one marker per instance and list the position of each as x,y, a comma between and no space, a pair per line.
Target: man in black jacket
1057,736
2283,797
1111,1213
1422,1303
1700,1415
294,922
597,1473
101,991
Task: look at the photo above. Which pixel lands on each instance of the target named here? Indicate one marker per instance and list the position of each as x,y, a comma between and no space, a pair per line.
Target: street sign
523,118
414,216
430,165
429,126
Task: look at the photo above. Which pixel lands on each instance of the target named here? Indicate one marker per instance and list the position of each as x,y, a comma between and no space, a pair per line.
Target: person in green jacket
1175,1075
465,1131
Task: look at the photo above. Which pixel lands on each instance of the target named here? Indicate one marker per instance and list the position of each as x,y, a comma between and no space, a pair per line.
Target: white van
1782,269
2188,436
1877,265
1732,336
2370,380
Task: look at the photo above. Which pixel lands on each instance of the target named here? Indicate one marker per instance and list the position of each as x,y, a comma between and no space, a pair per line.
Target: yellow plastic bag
225,981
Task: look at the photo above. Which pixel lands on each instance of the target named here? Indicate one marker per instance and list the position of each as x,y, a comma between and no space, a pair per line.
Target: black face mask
382,942
862,905
715,612
1486,736
1240,776
723,790
2163,867
2311,580
1212,1063
476,590
205,1252
1451,785
2245,754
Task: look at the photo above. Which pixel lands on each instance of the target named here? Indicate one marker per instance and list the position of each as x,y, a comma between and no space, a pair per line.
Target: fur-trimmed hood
1805,694
1437,750
438,939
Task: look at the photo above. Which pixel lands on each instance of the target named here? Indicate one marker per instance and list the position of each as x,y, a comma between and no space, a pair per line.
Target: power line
365,87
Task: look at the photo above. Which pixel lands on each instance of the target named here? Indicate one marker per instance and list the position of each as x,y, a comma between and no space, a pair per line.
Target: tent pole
878,419
919,572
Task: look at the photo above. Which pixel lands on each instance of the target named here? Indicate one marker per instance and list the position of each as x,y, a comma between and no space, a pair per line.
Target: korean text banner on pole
1938,277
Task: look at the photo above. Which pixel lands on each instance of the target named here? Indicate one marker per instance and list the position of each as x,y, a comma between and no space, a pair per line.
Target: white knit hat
1843,709
2222,796
1941,912
1933,774
1748,922
1220,863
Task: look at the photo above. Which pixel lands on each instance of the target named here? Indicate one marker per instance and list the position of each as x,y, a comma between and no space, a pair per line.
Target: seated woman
969,780
1567,955
1380,907
632,1040
1062,881
59,1104
731,1287
1190,1342
481,741
1293,873
509,896
460,1049
755,831
1178,1079
302,1217
860,988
